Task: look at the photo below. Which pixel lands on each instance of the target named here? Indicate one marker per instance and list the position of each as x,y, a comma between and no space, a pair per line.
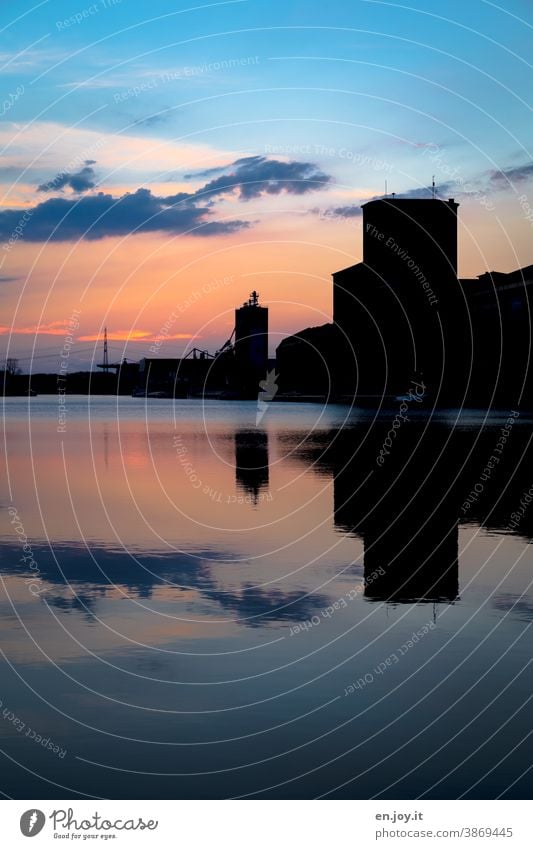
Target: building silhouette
403,314
233,372
394,307
500,307
251,346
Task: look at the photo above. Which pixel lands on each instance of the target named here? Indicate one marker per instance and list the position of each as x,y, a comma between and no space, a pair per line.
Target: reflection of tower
411,557
251,461
407,515
106,446
251,345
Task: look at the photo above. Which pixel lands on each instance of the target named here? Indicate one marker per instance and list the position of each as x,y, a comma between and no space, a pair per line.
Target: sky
160,161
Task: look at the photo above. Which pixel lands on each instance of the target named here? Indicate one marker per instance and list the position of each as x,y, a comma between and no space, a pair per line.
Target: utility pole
106,358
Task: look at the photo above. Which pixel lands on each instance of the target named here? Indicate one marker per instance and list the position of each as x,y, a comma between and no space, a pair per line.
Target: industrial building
233,372
251,346
500,306
402,314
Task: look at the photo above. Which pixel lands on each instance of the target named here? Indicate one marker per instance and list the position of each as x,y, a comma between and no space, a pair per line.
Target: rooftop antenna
433,187
106,358
385,188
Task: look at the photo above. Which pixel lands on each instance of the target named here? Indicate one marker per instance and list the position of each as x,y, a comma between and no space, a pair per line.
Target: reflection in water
77,580
406,503
224,636
251,462
406,512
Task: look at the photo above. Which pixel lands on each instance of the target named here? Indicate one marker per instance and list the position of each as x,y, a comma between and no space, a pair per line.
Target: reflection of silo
251,345
413,558
405,510
251,462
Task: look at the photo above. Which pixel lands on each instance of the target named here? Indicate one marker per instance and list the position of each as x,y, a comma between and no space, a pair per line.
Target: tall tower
251,345
399,233
401,310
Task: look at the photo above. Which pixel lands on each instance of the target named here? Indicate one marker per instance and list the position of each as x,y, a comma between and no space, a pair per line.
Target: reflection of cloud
521,607
84,603
254,606
76,582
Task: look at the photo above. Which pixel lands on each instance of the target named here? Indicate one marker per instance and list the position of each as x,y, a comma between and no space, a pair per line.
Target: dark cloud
254,176
207,172
251,606
223,169
98,215
518,174
442,191
353,211
81,181
150,120
519,606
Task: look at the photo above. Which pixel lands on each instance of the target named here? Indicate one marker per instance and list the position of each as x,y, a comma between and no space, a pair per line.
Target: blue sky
378,72
152,97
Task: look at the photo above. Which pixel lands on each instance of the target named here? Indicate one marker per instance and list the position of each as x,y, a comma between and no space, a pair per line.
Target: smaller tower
251,346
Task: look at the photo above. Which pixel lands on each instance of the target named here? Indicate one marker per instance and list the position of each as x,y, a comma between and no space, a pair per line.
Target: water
214,607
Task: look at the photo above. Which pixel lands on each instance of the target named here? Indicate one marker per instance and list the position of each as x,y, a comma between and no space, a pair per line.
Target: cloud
100,215
518,174
96,216
131,336
221,169
353,211
442,191
206,172
61,328
54,328
151,120
81,181
254,176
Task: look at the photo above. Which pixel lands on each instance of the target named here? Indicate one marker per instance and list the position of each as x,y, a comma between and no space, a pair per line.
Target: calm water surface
213,605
